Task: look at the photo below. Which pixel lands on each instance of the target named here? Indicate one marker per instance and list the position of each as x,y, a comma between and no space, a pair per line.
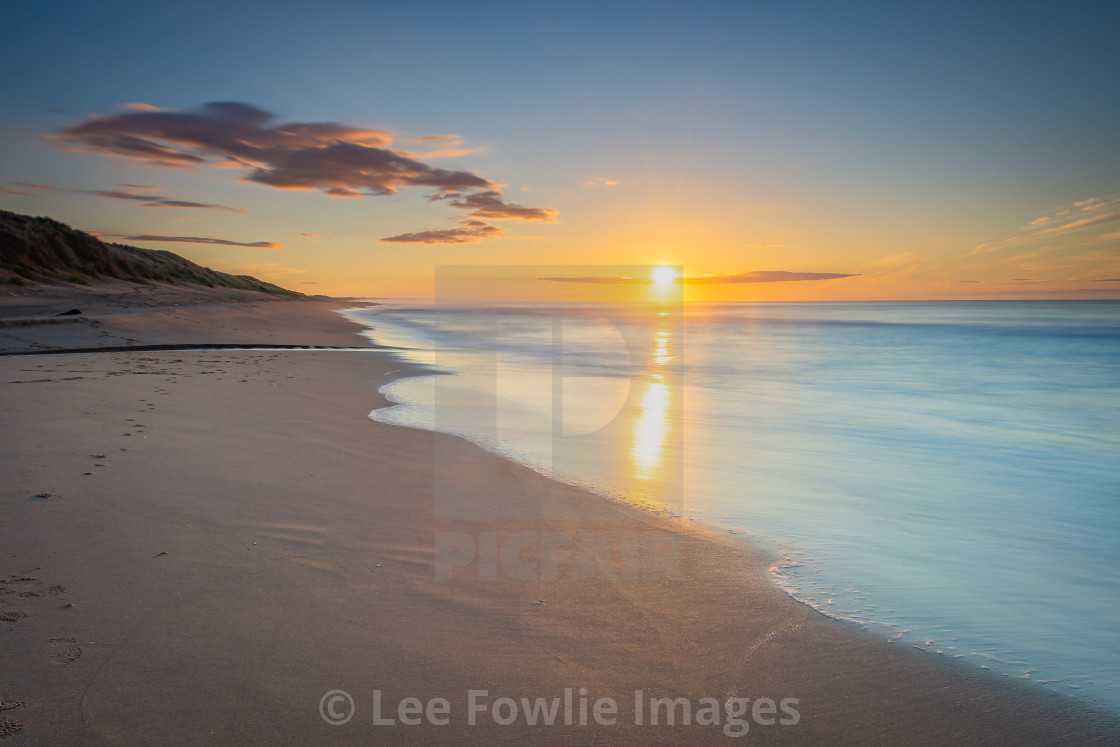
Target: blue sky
848,133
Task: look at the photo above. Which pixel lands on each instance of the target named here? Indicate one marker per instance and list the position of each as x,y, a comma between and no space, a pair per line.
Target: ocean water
946,474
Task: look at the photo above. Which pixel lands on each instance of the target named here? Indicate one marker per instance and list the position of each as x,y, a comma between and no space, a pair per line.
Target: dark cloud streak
766,276
193,240
490,205
759,276
467,232
149,200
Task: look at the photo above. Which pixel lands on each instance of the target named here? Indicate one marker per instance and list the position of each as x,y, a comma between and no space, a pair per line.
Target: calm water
943,473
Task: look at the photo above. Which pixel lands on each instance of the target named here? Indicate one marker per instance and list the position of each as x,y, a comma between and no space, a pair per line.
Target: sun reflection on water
652,425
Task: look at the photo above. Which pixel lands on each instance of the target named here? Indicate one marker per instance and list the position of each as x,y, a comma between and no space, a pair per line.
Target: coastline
299,559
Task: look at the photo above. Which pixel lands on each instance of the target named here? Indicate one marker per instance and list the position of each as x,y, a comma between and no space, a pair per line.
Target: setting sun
664,276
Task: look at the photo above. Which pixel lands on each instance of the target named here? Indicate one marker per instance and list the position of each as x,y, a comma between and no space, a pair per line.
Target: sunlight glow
664,276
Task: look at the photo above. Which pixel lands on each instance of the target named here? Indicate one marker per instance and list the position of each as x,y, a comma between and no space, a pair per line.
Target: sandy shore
199,546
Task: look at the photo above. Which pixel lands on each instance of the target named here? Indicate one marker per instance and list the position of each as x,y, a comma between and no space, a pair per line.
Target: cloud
431,138
767,276
336,159
450,146
467,232
895,259
156,201
149,200
1081,215
190,240
267,270
14,191
490,205
1107,280
764,246
758,276
188,204
1093,221
601,182
300,155
139,106
605,280
1026,256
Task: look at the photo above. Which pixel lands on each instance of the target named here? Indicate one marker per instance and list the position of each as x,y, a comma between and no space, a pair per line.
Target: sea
944,474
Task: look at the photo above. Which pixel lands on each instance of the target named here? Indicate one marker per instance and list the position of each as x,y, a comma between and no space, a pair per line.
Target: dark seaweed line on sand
192,346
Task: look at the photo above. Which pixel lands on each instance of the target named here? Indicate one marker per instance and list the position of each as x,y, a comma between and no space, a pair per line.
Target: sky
770,151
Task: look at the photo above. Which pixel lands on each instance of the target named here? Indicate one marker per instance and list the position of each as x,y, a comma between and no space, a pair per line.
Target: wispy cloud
767,276
336,159
146,197
1069,219
757,276
467,232
446,146
157,201
894,260
490,205
189,240
601,181
265,270
19,192
602,280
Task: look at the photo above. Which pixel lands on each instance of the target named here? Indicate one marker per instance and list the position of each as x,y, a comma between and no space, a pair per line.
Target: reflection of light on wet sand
650,430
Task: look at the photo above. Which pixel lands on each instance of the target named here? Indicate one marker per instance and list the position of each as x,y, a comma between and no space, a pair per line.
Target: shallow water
944,473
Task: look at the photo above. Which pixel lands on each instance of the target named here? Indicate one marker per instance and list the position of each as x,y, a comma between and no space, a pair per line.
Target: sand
198,546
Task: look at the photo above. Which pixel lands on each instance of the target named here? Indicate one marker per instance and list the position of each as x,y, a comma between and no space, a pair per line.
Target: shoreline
292,581
741,539
941,625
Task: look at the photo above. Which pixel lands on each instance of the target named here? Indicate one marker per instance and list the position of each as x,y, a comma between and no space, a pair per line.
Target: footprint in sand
11,616
9,726
10,705
65,652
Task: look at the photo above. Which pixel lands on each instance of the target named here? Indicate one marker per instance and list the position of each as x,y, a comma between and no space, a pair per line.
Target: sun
664,276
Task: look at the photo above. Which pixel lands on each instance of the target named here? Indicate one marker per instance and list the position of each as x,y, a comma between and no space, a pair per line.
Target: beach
205,545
